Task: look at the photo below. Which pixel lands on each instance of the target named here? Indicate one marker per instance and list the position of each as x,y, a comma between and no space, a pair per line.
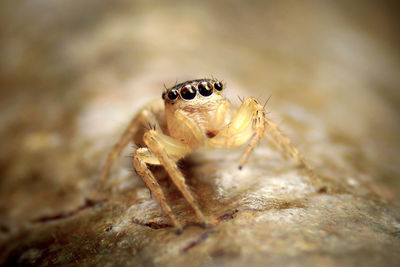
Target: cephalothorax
194,115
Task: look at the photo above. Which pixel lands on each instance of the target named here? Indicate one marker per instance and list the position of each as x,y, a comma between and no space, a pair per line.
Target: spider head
194,92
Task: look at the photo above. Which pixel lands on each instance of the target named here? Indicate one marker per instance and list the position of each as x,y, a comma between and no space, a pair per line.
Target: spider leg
247,124
285,146
146,115
258,128
156,143
140,158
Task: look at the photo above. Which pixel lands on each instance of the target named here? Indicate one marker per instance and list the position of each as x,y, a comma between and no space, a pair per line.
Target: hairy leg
285,146
158,147
144,117
258,127
140,158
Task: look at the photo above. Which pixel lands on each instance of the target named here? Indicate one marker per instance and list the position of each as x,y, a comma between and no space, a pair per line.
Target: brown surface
72,76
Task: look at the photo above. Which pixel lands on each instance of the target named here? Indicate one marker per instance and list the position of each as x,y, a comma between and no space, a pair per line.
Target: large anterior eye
188,92
173,94
205,89
218,86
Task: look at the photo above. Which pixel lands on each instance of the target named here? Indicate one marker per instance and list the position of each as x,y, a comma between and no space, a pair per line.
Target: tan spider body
194,115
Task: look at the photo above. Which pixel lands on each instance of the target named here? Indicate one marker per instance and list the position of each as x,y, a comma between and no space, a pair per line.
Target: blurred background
73,73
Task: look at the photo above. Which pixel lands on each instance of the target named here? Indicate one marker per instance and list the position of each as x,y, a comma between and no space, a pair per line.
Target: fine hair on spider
191,115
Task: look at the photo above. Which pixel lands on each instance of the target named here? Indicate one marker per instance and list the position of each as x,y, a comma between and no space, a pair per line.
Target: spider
194,114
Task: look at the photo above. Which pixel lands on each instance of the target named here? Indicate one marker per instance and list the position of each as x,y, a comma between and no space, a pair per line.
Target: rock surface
72,76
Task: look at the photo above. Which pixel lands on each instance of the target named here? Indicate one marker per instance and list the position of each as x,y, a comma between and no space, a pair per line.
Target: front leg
156,143
140,158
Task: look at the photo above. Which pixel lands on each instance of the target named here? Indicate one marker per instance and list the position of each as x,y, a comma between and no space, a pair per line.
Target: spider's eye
163,95
205,89
173,94
218,86
188,92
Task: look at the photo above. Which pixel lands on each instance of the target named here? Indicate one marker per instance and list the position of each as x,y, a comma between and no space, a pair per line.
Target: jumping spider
195,115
